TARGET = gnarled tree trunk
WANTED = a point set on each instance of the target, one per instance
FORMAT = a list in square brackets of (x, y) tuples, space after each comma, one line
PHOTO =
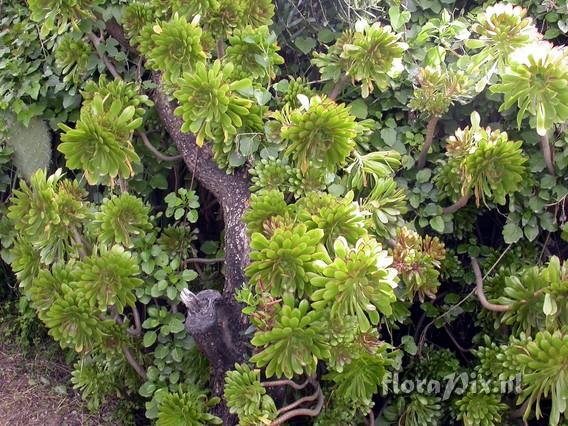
[(215, 320)]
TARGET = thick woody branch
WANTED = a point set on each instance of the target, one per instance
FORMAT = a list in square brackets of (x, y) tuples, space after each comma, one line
[(232, 191), (481, 294)]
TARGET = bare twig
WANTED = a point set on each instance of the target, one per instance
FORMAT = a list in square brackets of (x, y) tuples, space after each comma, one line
[(430, 129), (481, 294), (462, 202), (454, 340), (137, 329), (153, 150)]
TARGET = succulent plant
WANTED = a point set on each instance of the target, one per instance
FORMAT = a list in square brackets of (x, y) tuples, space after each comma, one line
[(322, 132), (100, 144), (116, 90), (336, 217), (229, 15), (49, 211), (501, 28), (418, 262), (295, 343), (480, 409), (491, 166), (367, 170), (137, 16), (536, 82), (543, 364), (296, 86), (73, 323), (108, 279), (72, 56), (371, 54), (438, 88), (175, 47), (359, 380), (263, 206), (270, 173), (247, 398), (209, 101), (47, 287), (386, 203), (122, 218), (301, 183), (358, 282), (186, 407), (420, 410), (254, 51), (283, 262)]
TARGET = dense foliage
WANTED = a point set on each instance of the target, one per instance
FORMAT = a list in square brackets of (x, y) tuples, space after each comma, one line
[(402, 259)]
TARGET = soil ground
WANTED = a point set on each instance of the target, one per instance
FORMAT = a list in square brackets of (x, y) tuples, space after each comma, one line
[(35, 390)]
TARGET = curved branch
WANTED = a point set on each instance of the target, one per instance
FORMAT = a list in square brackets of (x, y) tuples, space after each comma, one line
[(299, 402), (309, 412), (133, 363), (153, 150), (290, 383), (137, 329), (430, 129), (462, 202), (481, 294)]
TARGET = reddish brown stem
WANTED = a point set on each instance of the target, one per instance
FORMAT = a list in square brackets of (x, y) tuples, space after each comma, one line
[(430, 129), (308, 412), (462, 202), (481, 294)]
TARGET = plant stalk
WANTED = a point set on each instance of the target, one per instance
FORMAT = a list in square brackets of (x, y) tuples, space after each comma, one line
[(338, 87), (430, 129), (547, 153), (154, 151), (462, 202), (481, 294), (133, 363)]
